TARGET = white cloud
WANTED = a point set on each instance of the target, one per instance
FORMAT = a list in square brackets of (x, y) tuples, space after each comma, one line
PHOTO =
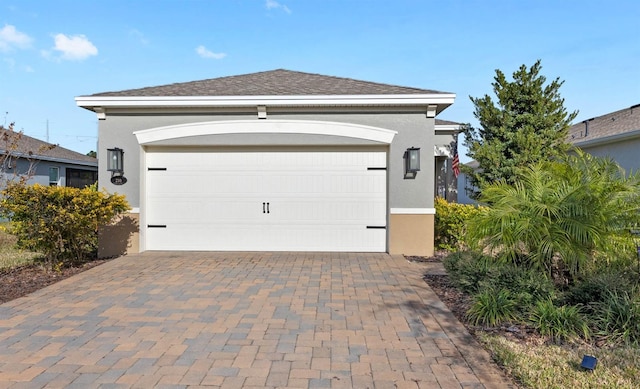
[(74, 48), (204, 53), (273, 4), (11, 38)]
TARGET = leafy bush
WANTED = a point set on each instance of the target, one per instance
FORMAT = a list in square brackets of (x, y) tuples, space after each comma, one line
[(597, 287), (491, 307), (60, 222), (450, 223), (526, 285), (560, 323), (472, 272), (467, 269), (560, 216), (618, 317)]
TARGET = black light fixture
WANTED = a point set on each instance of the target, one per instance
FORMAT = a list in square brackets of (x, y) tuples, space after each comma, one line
[(115, 161), (115, 165), (412, 160), (589, 362)]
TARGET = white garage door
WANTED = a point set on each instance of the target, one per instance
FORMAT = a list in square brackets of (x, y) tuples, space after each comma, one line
[(266, 201)]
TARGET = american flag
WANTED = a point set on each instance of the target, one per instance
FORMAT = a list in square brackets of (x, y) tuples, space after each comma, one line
[(455, 165)]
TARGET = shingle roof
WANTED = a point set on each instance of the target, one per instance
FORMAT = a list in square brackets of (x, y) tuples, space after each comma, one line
[(38, 149), (615, 123), (440, 122), (278, 82)]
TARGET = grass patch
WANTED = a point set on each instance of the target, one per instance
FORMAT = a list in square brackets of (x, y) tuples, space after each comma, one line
[(10, 256), (552, 366)]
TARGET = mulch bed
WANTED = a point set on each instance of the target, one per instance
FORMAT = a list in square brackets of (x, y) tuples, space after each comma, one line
[(21, 281), (459, 303)]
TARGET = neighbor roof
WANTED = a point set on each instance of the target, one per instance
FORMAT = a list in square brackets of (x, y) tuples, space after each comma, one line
[(29, 147), (613, 125), (278, 82)]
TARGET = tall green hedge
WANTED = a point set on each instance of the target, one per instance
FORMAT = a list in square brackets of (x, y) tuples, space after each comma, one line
[(59, 222)]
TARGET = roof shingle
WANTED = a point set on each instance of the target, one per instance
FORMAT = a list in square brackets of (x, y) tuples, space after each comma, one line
[(38, 149), (615, 123), (278, 82)]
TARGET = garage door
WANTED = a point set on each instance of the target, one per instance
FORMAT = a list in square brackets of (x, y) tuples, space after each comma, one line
[(266, 201)]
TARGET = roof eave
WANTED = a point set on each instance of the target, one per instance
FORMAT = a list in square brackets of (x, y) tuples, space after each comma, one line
[(37, 157), (91, 102), (608, 139), (447, 129)]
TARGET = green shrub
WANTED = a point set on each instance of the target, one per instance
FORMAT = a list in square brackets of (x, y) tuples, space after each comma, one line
[(618, 317), (467, 269), (560, 217), (491, 307), (59, 222), (450, 223), (472, 272), (526, 285), (559, 323), (596, 288)]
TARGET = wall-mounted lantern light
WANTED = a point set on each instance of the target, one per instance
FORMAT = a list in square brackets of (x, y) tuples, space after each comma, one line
[(115, 161), (115, 165), (412, 160)]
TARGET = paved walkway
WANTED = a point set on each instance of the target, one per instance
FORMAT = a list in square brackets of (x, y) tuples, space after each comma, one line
[(232, 320)]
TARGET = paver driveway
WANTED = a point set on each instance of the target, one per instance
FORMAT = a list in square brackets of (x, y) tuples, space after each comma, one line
[(304, 320)]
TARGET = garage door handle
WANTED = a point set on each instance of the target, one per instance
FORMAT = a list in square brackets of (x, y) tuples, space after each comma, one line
[(267, 207)]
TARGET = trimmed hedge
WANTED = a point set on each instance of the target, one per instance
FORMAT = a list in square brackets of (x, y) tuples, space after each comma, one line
[(59, 222), (450, 223)]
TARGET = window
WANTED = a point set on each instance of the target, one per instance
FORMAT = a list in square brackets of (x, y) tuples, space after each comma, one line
[(54, 176), (78, 178)]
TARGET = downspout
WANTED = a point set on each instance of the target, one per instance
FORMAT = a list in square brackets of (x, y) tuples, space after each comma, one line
[(586, 128)]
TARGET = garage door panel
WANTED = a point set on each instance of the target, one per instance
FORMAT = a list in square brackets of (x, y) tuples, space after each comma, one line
[(299, 201)]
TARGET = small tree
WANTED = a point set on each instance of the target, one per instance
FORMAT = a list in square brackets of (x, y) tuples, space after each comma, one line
[(11, 151), (527, 124)]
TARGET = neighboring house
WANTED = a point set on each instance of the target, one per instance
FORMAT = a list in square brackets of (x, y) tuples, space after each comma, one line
[(616, 135), (271, 161), (465, 187), (45, 163)]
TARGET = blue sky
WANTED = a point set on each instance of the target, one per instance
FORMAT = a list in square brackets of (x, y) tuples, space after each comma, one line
[(53, 51)]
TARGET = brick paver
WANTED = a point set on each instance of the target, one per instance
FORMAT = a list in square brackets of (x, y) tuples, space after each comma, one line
[(231, 320)]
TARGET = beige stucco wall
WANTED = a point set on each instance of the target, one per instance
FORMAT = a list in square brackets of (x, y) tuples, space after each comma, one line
[(411, 234), (119, 238)]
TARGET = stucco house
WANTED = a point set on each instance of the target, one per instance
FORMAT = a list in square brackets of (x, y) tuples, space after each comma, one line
[(615, 135), (44, 163), (271, 161)]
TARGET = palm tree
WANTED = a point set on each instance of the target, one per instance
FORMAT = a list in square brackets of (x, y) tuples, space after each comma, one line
[(560, 215)]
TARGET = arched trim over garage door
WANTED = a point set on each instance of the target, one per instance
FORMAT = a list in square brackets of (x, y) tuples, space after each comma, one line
[(345, 130)]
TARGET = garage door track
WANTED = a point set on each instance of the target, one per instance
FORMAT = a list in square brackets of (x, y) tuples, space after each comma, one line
[(231, 320)]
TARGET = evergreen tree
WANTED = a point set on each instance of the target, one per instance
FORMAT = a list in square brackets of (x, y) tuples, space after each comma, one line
[(527, 124)]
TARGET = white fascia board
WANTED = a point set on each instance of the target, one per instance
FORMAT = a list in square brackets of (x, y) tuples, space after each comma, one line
[(447, 128), (90, 102)]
